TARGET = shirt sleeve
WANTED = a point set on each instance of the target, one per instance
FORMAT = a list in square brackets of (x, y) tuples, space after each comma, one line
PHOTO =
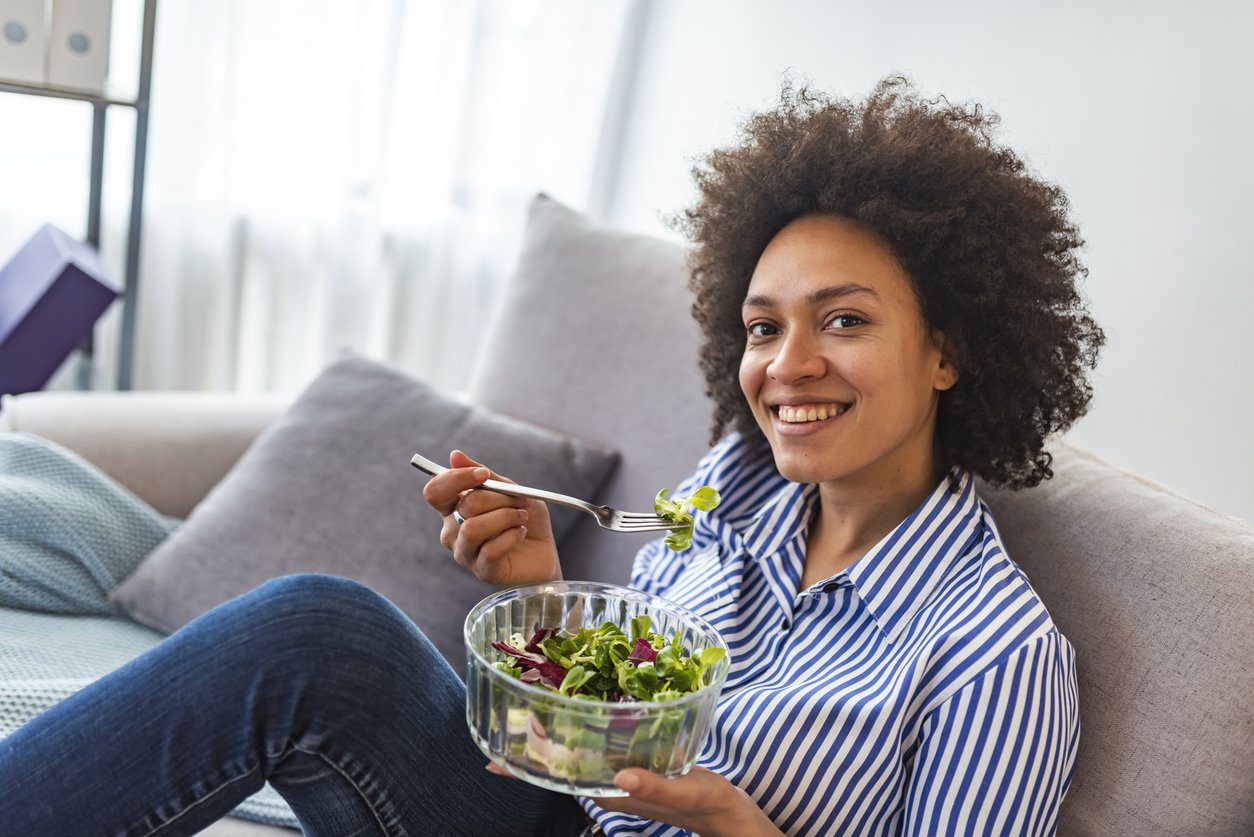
[(997, 756)]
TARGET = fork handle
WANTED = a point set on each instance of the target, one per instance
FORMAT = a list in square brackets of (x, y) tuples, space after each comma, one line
[(426, 465)]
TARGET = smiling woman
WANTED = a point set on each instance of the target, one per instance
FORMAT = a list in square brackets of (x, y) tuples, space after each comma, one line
[(987, 250), (843, 379)]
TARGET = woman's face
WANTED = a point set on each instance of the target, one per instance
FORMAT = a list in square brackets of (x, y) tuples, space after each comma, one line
[(839, 368)]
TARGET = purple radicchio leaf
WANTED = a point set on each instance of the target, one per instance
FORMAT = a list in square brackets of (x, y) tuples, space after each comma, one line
[(643, 652), (552, 674), (540, 636)]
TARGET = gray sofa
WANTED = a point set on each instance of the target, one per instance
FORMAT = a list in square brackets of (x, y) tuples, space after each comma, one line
[(593, 338)]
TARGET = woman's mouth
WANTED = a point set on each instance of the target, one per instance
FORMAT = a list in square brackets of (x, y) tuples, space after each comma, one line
[(805, 413)]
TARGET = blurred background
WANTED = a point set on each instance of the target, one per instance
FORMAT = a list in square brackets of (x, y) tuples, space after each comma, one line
[(327, 174)]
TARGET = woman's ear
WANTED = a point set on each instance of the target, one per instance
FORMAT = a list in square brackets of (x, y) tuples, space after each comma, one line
[(946, 374)]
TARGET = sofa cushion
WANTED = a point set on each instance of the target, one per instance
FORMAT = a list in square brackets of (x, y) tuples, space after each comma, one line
[(1156, 593), (594, 337), (329, 488)]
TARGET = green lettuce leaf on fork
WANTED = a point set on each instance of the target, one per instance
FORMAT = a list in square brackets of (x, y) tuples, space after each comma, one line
[(679, 511)]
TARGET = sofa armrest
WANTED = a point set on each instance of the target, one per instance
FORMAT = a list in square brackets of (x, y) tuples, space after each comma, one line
[(169, 448)]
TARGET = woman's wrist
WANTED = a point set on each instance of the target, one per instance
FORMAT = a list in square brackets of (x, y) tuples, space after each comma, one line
[(743, 818)]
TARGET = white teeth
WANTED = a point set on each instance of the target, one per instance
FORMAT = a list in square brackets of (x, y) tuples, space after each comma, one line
[(797, 415)]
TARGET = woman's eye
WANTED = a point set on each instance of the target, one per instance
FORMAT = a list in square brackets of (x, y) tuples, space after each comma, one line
[(760, 329), (845, 321)]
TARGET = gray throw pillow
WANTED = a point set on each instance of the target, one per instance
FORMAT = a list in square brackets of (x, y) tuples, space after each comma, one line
[(328, 488), (596, 297)]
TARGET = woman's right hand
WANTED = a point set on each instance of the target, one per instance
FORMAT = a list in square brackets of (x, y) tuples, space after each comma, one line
[(504, 540)]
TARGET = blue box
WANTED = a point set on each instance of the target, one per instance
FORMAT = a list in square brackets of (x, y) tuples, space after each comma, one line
[(51, 294)]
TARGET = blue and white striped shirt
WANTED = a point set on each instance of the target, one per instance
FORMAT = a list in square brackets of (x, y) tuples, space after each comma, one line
[(923, 690)]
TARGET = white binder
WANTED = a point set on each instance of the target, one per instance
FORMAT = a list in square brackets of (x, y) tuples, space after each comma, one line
[(23, 41), (78, 44)]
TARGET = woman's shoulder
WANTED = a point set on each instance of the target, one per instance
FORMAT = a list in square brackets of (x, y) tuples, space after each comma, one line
[(984, 612)]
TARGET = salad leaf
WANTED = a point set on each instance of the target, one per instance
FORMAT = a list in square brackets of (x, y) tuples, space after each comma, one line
[(575, 679), (640, 625), (678, 511), (643, 652), (550, 673)]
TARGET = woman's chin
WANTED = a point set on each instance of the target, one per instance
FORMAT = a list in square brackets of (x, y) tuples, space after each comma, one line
[(803, 469)]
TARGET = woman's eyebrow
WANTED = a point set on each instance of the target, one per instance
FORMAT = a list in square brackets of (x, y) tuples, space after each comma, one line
[(821, 295)]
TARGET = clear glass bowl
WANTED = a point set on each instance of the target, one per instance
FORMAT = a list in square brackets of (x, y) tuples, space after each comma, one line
[(570, 744)]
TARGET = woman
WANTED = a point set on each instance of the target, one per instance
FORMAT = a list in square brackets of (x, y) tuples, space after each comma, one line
[(889, 309)]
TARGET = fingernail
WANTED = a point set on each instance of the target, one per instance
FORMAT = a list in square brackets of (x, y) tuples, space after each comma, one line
[(627, 781), (482, 473)]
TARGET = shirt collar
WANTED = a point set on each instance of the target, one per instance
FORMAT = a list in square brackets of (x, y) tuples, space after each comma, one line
[(896, 576), (784, 517)]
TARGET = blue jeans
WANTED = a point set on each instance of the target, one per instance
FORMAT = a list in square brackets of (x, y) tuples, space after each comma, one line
[(314, 683)]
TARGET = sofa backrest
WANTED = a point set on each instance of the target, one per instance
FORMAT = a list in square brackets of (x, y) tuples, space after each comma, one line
[(594, 338), (169, 448), (1155, 592)]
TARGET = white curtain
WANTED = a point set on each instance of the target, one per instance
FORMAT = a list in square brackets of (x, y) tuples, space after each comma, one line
[(347, 174)]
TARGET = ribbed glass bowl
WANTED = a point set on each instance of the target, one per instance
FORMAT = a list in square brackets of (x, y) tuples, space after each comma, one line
[(570, 744)]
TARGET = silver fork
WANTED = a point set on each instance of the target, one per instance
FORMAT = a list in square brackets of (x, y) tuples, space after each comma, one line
[(607, 518)]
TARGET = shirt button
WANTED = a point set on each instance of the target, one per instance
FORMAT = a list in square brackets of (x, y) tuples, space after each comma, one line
[(783, 626), (831, 587)]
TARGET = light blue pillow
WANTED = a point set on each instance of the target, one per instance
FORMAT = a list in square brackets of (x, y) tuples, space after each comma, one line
[(69, 533)]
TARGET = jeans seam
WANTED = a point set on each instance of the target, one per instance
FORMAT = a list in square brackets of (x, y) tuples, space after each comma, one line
[(353, 784), (164, 823)]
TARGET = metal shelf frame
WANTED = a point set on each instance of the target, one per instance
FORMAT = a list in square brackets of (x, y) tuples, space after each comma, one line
[(100, 104)]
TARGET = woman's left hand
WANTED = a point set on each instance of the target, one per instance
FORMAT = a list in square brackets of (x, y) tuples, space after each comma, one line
[(701, 801)]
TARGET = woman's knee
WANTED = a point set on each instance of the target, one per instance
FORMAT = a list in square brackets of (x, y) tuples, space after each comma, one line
[(321, 616), (327, 594)]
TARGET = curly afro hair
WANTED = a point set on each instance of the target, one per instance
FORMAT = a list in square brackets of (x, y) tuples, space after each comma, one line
[(988, 246)]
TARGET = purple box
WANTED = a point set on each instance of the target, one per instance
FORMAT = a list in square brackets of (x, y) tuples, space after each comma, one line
[(51, 293)]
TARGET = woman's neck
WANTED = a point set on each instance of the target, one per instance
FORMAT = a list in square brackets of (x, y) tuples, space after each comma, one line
[(854, 518)]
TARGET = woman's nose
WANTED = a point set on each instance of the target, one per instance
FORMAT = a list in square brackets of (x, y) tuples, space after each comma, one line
[(798, 358)]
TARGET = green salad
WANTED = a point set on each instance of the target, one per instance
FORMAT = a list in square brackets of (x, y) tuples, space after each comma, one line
[(616, 678), (606, 664), (679, 510)]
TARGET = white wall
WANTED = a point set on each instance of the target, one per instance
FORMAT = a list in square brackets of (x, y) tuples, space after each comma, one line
[(1142, 111)]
